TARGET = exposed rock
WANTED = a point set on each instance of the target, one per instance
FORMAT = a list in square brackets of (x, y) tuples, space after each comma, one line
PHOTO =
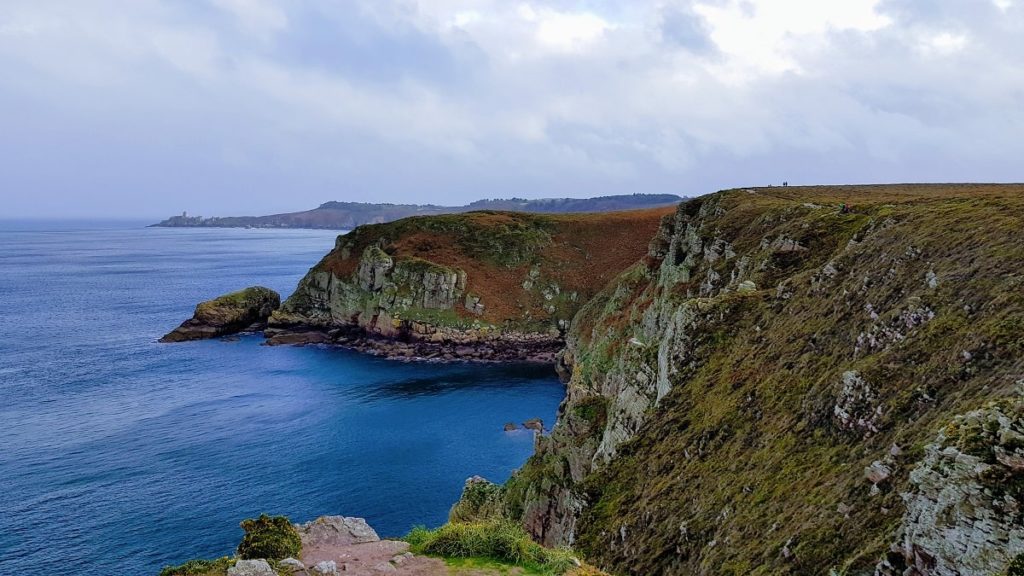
[(877, 472), (251, 568), (292, 564), (535, 424), (964, 509), (510, 426), (746, 286), (336, 531), (327, 568), (245, 310), (856, 407)]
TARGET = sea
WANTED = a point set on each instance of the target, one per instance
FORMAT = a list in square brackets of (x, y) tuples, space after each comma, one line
[(120, 455)]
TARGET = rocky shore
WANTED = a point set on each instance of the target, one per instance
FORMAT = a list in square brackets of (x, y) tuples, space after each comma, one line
[(507, 347)]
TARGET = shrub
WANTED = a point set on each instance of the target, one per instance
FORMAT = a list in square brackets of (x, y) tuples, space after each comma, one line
[(269, 537), (496, 539)]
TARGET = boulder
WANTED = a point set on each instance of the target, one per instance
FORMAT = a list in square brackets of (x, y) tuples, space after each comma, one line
[(336, 531), (327, 568), (534, 424), (251, 568), (245, 310), (292, 564), (877, 473), (510, 426)]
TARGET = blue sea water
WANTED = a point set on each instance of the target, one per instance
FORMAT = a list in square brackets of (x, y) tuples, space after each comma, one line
[(119, 455)]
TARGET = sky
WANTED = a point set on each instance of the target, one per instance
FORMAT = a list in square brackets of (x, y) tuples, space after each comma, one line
[(145, 108)]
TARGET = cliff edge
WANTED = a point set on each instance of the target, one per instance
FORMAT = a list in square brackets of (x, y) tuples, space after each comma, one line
[(815, 380)]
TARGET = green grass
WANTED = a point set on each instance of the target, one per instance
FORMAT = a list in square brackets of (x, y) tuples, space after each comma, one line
[(497, 541), (216, 567)]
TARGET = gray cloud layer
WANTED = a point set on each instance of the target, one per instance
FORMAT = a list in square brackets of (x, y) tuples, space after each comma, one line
[(253, 106)]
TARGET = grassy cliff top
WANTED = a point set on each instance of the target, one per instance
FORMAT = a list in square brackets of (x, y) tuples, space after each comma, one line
[(521, 265), (754, 397)]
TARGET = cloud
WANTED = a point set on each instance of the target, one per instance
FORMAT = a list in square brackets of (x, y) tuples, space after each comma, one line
[(253, 106)]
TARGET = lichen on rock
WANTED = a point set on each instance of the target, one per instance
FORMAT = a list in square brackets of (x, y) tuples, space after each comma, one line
[(965, 506)]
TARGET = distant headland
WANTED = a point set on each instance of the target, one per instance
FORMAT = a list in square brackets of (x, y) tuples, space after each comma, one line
[(348, 215)]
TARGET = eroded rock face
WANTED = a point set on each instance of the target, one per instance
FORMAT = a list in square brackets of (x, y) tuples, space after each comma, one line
[(245, 310), (965, 506), (371, 312)]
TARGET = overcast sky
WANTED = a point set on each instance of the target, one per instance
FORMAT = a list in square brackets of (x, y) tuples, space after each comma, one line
[(230, 107)]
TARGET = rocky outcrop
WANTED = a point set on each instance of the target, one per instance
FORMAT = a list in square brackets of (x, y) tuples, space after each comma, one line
[(477, 286), (965, 504), (243, 311), (737, 400), (335, 531), (343, 545)]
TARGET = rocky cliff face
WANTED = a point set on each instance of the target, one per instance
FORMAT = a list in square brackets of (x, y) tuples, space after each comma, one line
[(484, 285), (784, 387)]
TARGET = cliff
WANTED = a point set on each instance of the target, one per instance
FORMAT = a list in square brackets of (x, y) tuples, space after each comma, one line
[(785, 386), (348, 215), (480, 285)]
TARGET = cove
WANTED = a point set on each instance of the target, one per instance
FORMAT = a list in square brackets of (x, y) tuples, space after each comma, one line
[(122, 455)]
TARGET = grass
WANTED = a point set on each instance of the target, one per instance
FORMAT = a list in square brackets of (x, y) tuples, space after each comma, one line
[(217, 567), (744, 454), (495, 541)]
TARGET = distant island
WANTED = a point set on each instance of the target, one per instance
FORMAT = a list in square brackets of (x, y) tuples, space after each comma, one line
[(348, 215)]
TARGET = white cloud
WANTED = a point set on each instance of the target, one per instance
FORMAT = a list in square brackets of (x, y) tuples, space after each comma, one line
[(764, 36), (942, 43), (467, 98), (568, 31)]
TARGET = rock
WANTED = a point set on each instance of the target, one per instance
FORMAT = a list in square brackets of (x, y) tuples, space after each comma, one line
[(746, 286), (336, 531), (385, 568), (251, 568), (400, 559), (535, 424), (510, 426), (245, 310), (856, 408), (960, 520), (327, 567), (877, 472), (292, 564)]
